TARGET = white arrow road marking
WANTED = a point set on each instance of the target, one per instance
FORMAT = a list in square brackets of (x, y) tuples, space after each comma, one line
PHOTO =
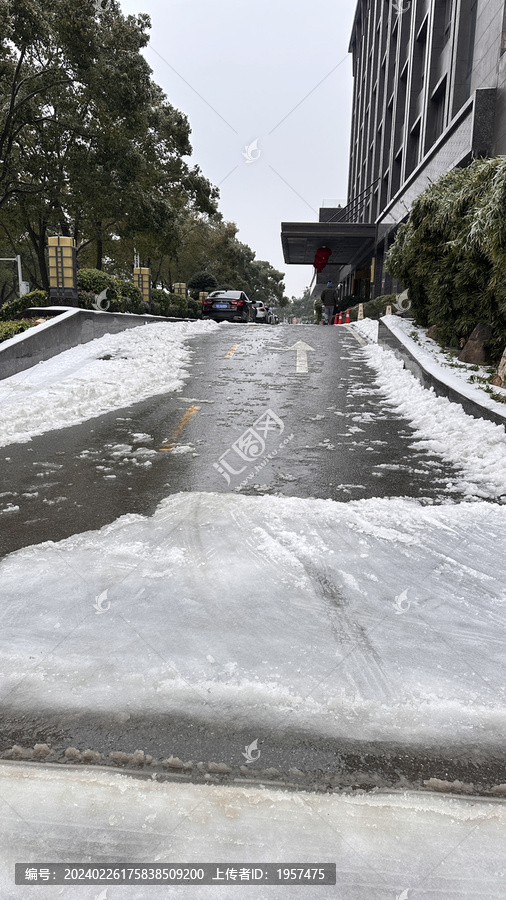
[(301, 364)]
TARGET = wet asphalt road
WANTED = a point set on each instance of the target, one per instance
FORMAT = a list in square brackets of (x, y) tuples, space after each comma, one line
[(342, 442)]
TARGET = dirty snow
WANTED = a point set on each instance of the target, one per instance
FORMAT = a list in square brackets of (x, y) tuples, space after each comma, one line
[(386, 845)]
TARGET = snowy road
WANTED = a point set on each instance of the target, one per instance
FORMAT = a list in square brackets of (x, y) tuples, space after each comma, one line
[(345, 442), (260, 556), (284, 588)]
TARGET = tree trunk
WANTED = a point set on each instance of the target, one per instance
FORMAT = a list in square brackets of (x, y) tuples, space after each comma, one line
[(41, 256), (99, 246)]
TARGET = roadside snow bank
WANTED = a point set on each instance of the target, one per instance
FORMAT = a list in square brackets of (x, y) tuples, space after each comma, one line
[(476, 446), (105, 374), (444, 365), (372, 620), (368, 328), (384, 845)]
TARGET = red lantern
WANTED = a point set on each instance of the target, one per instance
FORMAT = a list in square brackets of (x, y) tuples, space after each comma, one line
[(321, 258)]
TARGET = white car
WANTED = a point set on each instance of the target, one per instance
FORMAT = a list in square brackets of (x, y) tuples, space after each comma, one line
[(261, 311)]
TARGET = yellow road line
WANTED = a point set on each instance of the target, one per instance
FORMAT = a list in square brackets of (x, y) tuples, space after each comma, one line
[(231, 351), (180, 427)]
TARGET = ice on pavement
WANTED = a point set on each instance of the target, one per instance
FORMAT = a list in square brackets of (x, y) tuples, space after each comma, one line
[(376, 619), (385, 845), (105, 374)]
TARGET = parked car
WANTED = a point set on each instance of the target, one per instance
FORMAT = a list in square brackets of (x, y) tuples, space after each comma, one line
[(261, 311), (229, 306)]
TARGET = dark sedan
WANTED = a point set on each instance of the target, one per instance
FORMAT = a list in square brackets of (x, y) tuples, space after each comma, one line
[(228, 306)]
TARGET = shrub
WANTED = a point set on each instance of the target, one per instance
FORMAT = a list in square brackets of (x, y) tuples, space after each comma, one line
[(194, 309), (179, 301), (451, 253), (173, 312), (11, 329), (16, 307), (122, 295), (95, 281), (37, 298), (202, 281), (85, 299), (373, 309)]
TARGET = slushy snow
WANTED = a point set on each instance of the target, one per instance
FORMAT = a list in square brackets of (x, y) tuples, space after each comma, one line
[(94, 378), (475, 446)]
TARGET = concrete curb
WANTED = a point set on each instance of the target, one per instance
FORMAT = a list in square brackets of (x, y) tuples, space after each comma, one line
[(69, 328), (429, 379)]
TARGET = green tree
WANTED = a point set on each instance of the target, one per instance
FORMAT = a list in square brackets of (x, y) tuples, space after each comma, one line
[(90, 146), (302, 307), (203, 281), (208, 243)]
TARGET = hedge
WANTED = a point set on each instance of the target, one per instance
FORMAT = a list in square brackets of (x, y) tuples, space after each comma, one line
[(122, 296), (11, 329), (451, 253)]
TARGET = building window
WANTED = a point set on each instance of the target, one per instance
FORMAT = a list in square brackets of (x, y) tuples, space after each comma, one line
[(448, 9), (413, 156), (437, 112), (470, 52), (419, 61)]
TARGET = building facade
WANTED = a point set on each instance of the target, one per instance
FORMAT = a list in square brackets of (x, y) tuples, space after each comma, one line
[(429, 94)]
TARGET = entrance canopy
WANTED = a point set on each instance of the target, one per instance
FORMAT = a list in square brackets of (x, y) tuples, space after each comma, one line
[(348, 241)]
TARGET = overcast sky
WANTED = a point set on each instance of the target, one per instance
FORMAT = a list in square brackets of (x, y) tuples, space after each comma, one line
[(240, 71)]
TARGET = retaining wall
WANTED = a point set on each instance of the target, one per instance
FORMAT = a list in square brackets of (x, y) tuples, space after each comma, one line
[(430, 380), (67, 329)]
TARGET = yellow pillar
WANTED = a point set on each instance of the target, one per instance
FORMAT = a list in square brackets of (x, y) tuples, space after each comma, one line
[(62, 270), (142, 280)]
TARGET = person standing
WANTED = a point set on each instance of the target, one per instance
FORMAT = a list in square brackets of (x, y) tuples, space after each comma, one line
[(329, 300)]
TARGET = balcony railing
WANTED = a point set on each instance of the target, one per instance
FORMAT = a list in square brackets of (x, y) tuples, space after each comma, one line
[(358, 210)]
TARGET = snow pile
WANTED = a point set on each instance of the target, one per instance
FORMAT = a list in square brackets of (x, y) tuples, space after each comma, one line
[(444, 358), (444, 366), (384, 845), (86, 381), (368, 328), (370, 620), (476, 446)]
